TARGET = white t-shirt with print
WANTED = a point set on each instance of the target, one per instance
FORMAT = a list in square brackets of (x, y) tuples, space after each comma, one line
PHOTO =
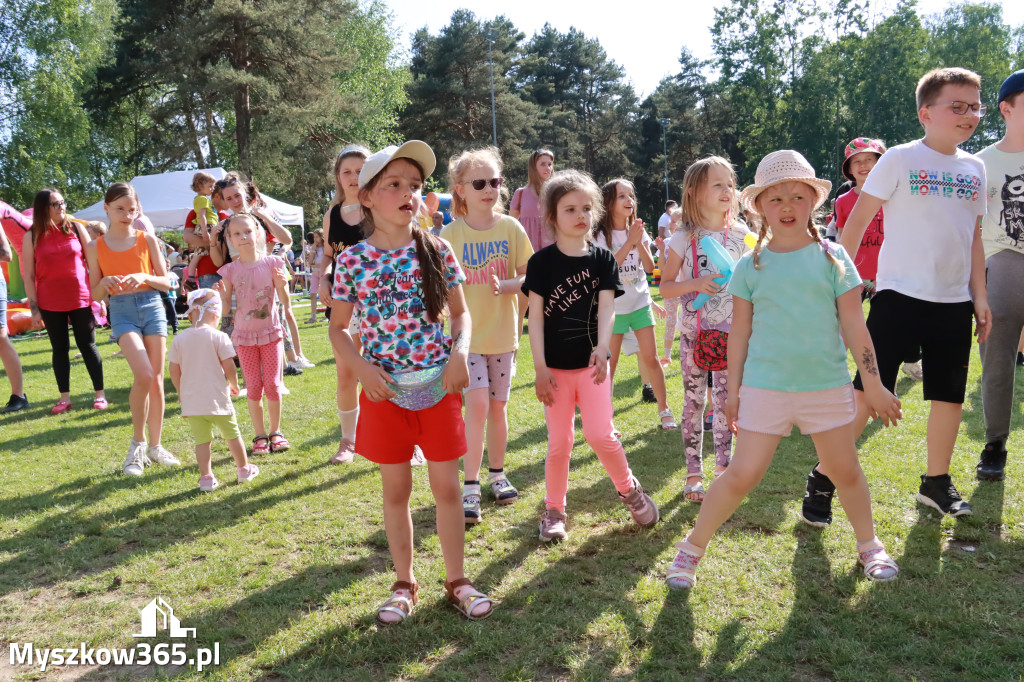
[(933, 202), (1003, 225), (631, 273)]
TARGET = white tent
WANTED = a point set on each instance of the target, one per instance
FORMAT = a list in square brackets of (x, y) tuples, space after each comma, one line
[(167, 198)]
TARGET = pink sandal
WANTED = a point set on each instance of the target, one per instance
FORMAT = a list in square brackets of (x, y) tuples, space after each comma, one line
[(278, 443), (100, 404), (261, 445)]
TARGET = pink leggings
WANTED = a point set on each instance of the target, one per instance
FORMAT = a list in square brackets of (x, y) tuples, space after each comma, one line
[(576, 387), (261, 367)]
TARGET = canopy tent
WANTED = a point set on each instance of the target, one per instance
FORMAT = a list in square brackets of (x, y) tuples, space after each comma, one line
[(167, 198)]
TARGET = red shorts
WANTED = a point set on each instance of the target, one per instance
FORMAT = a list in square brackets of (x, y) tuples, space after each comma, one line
[(386, 433)]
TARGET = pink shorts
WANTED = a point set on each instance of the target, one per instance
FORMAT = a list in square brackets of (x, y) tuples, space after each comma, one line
[(763, 410)]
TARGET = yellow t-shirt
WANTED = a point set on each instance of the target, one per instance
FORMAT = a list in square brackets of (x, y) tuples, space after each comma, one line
[(203, 203), (501, 250)]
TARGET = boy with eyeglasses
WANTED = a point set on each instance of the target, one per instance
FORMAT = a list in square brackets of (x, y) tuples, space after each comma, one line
[(1002, 232), (931, 274)]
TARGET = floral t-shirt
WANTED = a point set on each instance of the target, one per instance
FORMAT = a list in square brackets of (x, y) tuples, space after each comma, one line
[(385, 288)]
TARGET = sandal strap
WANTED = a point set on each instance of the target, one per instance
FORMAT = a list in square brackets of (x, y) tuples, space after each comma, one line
[(877, 558), (455, 584)]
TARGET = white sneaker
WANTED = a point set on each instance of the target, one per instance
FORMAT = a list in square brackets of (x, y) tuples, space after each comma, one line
[(161, 455), (284, 389), (136, 460), (247, 473), (418, 459), (303, 362)]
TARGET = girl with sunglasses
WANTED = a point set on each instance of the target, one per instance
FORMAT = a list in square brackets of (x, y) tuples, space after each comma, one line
[(493, 250)]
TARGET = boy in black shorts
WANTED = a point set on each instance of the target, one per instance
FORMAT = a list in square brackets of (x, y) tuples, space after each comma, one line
[(931, 274)]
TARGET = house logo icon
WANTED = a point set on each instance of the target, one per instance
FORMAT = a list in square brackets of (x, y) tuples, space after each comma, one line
[(151, 614)]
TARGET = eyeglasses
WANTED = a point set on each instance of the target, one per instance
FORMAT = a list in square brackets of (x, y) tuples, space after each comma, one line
[(58, 204), (493, 182), (960, 108)]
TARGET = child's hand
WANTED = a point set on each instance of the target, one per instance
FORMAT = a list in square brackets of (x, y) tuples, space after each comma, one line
[(732, 410), (883, 405), (324, 291), (495, 285), (133, 281), (636, 232), (455, 376), (599, 361), (660, 243), (659, 311), (545, 386), (233, 387), (112, 284), (983, 315), (707, 285), (375, 382)]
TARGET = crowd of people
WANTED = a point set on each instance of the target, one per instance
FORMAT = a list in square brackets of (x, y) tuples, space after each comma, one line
[(425, 320)]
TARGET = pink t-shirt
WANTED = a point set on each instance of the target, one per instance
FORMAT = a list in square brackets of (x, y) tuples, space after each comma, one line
[(256, 320), (204, 388), (870, 244), (526, 201), (62, 282)]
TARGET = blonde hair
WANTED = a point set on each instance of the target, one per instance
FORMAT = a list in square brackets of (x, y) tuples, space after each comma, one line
[(201, 178), (565, 182), (931, 83), (694, 180), (461, 164), (353, 151), (260, 237), (813, 229), (533, 177)]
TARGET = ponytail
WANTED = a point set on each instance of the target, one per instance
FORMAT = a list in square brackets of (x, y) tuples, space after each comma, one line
[(432, 268)]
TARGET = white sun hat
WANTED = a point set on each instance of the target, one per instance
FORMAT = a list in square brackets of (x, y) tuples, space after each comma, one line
[(416, 150), (784, 165)]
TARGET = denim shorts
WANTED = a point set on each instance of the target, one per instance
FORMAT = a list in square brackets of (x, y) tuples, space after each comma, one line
[(141, 312), (209, 281)]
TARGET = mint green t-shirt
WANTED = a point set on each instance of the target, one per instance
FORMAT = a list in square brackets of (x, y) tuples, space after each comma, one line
[(795, 343)]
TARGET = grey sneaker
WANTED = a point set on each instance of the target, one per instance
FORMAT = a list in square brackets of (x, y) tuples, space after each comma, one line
[(552, 526), (471, 504), (641, 506), (503, 491), (160, 455), (136, 460), (913, 370)]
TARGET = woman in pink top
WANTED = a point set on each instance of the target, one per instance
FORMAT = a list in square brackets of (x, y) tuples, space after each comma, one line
[(57, 285), (525, 206)]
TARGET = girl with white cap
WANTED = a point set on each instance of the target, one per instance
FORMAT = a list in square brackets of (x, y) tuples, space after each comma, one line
[(795, 298)]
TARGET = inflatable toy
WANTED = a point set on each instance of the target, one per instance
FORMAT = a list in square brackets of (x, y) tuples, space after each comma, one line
[(19, 321), (15, 224), (722, 261)]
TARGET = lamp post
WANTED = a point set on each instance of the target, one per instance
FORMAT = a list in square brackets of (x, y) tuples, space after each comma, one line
[(664, 145), (490, 35)]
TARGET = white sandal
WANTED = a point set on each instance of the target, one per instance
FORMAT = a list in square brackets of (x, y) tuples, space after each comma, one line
[(877, 564), (671, 425), (399, 604)]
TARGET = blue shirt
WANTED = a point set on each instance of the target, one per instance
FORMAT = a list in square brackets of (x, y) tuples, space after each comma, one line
[(795, 344)]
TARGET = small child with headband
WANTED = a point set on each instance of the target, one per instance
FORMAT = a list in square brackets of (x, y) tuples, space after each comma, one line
[(203, 372)]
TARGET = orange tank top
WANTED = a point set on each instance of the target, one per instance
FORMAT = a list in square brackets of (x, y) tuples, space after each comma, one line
[(128, 262)]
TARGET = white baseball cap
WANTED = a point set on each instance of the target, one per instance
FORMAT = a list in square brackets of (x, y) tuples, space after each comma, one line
[(415, 150)]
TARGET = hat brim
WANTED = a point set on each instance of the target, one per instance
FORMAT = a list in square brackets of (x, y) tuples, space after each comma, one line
[(749, 196), (846, 161), (414, 150)]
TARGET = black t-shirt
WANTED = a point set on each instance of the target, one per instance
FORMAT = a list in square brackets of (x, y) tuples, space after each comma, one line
[(341, 235), (569, 286)]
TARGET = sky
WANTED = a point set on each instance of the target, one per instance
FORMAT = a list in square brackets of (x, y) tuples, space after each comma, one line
[(645, 39)]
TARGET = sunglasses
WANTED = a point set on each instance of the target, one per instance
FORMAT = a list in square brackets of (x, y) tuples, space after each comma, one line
[(493, 182), (58, 204)]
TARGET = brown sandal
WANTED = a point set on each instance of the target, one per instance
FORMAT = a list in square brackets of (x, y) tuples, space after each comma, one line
[(469, 600), (398, 604)]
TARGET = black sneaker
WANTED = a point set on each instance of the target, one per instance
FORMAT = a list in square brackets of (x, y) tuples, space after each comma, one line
[(1020, 359), (817, 506), (992, 465), (291, 370), (16, 403), (647, 394), (940, 493)]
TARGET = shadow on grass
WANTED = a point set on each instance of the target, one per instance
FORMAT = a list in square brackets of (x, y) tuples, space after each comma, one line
[(74, 544)]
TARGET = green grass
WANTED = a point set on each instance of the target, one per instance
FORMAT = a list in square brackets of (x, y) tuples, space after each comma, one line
[(285, 573)]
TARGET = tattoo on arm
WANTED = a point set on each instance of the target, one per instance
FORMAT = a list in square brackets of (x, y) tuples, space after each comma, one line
[(868, 359), (460, 343)]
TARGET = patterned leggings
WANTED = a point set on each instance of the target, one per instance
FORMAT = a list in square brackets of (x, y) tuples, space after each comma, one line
[(261, 367), (671, 318), (695, 382)]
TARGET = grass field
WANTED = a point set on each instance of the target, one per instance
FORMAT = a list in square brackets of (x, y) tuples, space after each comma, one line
[(285, 573)]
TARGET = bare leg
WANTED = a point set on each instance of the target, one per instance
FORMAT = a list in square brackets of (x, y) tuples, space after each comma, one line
[(497, 433), (476, 417), (256, 416), (648, 352), (274, 410), (204, 458), (237, 449), (754, 452), (156, 348), (838, 453), (12, 363), (451, 525), (135, 352), (943, 426), (397, 483)]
